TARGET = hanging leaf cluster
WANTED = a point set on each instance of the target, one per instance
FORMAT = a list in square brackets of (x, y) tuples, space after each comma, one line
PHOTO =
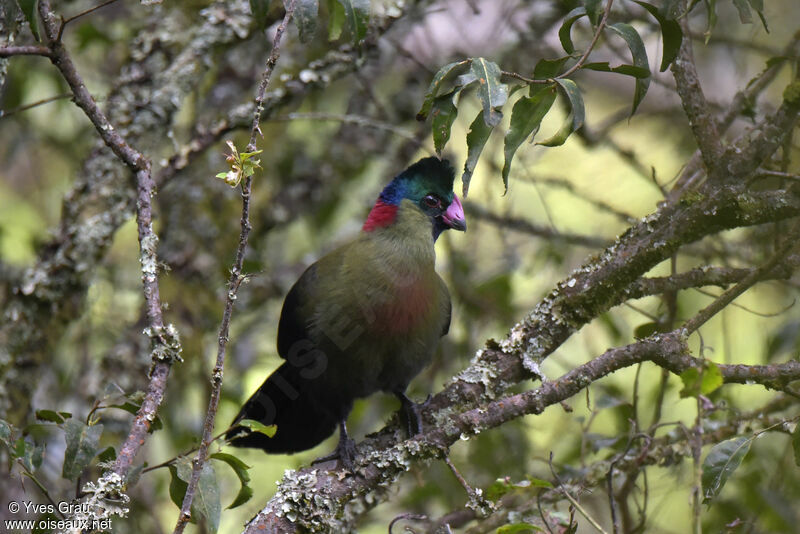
[(551, 78)]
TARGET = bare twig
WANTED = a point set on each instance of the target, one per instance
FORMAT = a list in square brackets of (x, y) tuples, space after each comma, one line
[(233, 285), (18, 109)]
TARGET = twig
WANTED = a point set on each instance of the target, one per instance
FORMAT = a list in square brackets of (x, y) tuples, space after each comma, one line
[(66, 21), (165, 343), (233, 285), (18, 109), (600, 26), (24, 50), (701, 121), (728, 296)]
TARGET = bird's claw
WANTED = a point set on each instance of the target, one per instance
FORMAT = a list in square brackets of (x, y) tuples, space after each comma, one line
[(345, 452)]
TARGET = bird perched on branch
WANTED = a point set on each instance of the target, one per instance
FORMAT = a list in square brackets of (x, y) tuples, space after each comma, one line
[(364, 318)]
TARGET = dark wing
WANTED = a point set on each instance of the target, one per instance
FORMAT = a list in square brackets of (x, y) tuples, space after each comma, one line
[(297, 311)]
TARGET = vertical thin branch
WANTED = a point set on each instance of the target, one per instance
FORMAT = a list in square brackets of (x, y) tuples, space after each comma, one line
[(164, 339), (233, 285)]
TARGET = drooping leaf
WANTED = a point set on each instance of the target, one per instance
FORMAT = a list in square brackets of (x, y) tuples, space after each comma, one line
[(206, 501), (758, 5), (639, 54), (241, 470), (256, 426), (443, 114), (711, 18), (671, 35), (305, 17), (29, 9), (82, 444), (492, 92), (526, 117), (177, 486), (722, 460), (744, 11), (433, 88), (575, 118), (52, 416), (356, 13), (548, 68), (627, 70), (335, 19), (593, 10), (479, 133), (565, 31)]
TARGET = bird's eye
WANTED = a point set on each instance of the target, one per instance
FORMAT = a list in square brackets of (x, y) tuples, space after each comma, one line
[(432, 202)]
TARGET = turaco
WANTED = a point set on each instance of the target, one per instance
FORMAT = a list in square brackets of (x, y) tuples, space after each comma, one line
[(364, 318)]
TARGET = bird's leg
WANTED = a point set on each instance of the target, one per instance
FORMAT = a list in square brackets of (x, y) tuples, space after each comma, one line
[(345, 450), (409, 411)]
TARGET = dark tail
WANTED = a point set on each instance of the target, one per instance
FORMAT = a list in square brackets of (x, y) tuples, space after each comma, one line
[(284, 399)]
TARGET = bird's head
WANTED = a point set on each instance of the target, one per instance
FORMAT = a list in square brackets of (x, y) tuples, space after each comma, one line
[(428, 184)]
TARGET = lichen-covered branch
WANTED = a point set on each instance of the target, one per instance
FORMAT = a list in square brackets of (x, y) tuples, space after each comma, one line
[(52, 292), (312, 497), (701, 119)]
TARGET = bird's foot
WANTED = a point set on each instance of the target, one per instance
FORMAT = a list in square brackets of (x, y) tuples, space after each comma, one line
[(345, 452), (410, 413)]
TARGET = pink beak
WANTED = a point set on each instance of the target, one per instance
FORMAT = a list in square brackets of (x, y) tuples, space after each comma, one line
[(454, 215)]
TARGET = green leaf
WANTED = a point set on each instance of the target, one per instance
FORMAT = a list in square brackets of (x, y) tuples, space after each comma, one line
[(722, 460), (306, 13), (240, 468), (82, 444), (5, 431), (335, 19), (29, 9), (492, 92), (517, 528), (594, 10), (526, 117), (564, 32), (576, 115), (711, 18), (177, 486), (646, 330), (758, 5), (255, 426), (671, 35), (443, 114), (701, 381), (109, 454), (52, 416), (206, 498), (260, 9), (636, 46), (796, 444), (744, 11), (627, 70), (479, 133), (356, 13), (433, 88), (548, 68)]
